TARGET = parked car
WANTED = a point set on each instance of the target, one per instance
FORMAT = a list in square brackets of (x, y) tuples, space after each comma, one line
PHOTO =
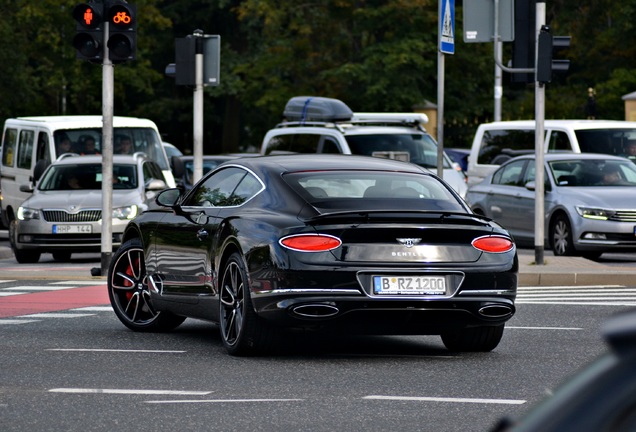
[(325, 125), (64, 214), (171, 150), (209, 162), (583, 214), (600, 397), (331, 242), (459, 156)]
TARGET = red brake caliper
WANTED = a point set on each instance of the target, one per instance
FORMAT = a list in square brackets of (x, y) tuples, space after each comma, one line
[(127, 283)]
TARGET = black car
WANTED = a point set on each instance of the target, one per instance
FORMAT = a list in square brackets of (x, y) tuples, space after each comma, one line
[(600, 397), (326, 243)]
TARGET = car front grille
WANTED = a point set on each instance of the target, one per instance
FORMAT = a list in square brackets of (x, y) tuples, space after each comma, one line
[(624, 216), (63, 216)]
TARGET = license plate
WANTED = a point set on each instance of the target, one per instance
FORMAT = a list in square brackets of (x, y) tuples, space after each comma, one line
[(414, 285), (72, 229)]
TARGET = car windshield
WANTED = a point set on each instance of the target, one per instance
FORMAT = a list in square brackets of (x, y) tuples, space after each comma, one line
[(416, 148), (125, 141), (593, 172), (373, 190), (86, 177)]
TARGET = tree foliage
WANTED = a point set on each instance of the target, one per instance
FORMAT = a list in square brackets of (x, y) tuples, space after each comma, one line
[(376, 55)]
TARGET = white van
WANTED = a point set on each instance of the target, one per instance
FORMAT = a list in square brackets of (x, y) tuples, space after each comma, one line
[(27, 140), (494, 143)]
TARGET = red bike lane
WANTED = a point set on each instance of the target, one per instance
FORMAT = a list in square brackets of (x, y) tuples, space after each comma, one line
[(53, 301)]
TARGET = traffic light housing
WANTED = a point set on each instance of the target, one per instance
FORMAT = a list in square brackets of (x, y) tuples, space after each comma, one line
[(122, 31), (89, 36), (548, 46), (523, 48)]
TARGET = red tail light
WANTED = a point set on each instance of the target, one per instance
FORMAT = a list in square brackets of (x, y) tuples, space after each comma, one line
[(493, 244), (311, 242)]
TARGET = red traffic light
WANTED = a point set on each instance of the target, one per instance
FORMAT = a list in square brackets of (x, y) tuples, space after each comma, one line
[(87, 16)]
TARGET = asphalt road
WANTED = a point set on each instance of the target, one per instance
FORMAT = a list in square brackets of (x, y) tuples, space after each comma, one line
[(79, 369)]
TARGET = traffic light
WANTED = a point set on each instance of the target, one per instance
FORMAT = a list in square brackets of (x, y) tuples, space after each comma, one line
[(525, 36), (122, 38), (89, 37), (548, 46)]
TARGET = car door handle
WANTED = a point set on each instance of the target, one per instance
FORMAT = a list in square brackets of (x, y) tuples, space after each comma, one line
[(202, 234)]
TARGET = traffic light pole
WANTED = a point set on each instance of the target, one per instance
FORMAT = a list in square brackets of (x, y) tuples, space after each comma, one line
[(539, 141), (108, 74), (197, 114)]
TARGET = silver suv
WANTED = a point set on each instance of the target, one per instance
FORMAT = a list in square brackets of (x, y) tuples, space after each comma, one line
[(64, 214), (325, 125)]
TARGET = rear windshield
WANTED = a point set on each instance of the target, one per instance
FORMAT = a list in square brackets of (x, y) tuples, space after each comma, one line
[(419, 149), (87, 177), (125, 141), (372, 190)]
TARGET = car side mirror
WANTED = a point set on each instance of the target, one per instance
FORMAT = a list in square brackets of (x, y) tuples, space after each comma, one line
[(27, 188), (168, 197)]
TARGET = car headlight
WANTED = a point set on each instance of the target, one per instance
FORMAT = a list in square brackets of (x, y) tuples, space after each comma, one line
[(128, 212), (595, 213), (26, 213)]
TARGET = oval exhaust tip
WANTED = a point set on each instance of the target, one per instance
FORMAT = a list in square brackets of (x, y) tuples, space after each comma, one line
[(317, 310), (496, 311)]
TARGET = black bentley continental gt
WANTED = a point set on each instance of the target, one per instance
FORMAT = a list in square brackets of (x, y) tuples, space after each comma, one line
[(329, 243)]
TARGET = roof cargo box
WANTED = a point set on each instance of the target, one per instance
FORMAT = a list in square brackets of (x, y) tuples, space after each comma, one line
[(316, 109)]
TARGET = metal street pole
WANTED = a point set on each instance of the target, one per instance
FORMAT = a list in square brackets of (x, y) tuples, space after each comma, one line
[(539, 139), (197, 149), (108, 73)]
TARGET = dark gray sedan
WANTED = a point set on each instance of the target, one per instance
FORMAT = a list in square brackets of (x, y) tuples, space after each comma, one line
[(590, 202)]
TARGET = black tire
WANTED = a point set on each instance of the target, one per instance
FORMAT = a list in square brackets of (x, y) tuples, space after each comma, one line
[(243, 332), (26, 256), (21, 256), (561, 237), (474, 339), (129, 292), (61, 256)]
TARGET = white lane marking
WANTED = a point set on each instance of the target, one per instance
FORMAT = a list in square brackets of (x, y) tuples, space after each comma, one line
[(223, 401), (573, 287), (56, 315), (442, 399), (15, 321), (94, 309), (129, 391), (10, 293), (543, 328), (79, 282), (114, 350), (37, 288), (577, 303), (6, 280)]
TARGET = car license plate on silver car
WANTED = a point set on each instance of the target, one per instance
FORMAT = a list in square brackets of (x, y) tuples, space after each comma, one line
[(413, 285), (72, 229)]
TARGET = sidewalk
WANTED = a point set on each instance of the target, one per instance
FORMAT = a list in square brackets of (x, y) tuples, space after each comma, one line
[(554, 271)]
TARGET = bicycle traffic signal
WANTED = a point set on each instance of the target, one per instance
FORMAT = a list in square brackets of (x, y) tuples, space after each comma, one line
[(122, 38), (89, 37)]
